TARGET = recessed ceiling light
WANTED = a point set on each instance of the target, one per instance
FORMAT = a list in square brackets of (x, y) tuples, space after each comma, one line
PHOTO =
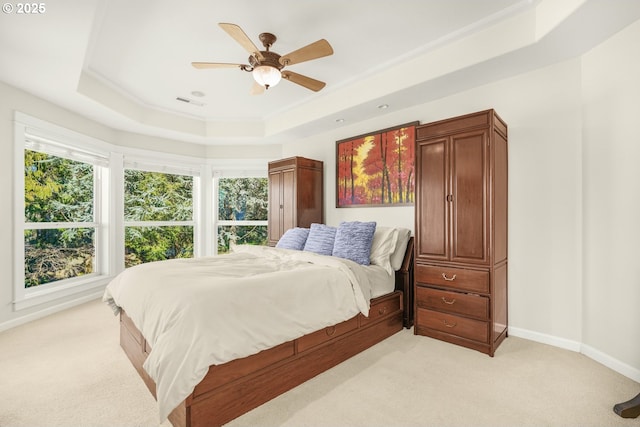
[(339, 120), (383, 106), (197, 93)]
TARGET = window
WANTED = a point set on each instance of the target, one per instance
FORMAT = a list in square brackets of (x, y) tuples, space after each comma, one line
[(59, 212), (59, 229), (86, 209), (158, 215), (242, 212)]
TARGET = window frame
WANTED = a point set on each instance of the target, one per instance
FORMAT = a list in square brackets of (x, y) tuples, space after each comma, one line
[(133, 162), (257, 171), (36, 135), (109, 210)]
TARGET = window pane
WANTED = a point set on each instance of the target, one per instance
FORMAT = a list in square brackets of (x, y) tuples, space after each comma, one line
[(57, 189), (241, 235), (154, 196), (145, 244), (243, 199), (56, 254)]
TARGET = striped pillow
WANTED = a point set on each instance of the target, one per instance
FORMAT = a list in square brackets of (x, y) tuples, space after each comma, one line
[(353, 241), (320, 239), (293, 238)]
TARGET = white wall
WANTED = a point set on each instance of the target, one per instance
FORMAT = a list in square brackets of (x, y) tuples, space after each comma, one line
[(611, 163), (556, 296)]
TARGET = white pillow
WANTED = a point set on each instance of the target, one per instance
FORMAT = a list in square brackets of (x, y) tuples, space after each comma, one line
[(383, 246), (401, 247)]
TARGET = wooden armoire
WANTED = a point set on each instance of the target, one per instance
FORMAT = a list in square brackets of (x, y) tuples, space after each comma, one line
[(461, 231), (296, 195)]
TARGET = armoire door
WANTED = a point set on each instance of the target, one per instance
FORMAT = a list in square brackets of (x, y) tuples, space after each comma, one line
[(469, 196), (275, 206), (432, 188), (282, 206)]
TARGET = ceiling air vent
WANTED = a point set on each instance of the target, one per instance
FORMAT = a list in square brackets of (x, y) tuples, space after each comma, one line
[(189, 101)]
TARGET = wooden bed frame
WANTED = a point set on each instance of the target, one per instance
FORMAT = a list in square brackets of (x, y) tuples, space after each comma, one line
[(234, 388)]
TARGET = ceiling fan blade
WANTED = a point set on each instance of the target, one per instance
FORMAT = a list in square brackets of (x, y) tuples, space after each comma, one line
[(202, 65), (314, 50), (308, 82), (256, 89), (238, 35)]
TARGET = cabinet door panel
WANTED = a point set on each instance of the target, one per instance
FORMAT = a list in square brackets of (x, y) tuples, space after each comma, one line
[(469, 189), (309, 191), (500, 197), (431, 204), (288, 200), (275, 204)]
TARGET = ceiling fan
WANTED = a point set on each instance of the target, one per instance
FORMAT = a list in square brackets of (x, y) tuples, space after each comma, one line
[(267, 66)]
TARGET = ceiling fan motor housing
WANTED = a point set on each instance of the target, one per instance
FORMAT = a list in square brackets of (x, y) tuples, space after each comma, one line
[(270, 58)]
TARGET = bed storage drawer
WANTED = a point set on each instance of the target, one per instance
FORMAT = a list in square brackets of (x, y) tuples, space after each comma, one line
[(475, 306), (223, 374), (382, 307), (313, 339), (127, 323), (457, 278), (456, 325)]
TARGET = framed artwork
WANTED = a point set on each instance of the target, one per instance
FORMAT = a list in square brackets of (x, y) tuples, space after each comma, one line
[(377, 169)]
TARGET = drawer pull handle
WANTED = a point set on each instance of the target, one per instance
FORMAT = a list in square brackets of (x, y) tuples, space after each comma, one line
[(382, 310), (330, 330), (444, 276), (444, 300), (449, 325)]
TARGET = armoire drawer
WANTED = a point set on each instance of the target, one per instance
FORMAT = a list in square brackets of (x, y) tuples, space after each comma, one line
[(453, 302), (456, 325), (458, 278)]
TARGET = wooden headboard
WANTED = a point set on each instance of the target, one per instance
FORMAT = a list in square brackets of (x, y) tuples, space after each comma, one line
[(404, 283)]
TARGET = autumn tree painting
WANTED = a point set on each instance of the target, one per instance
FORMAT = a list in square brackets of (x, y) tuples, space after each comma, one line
[(376, 169)]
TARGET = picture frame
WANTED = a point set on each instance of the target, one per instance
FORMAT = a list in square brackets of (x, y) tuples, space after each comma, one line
[(377, 168)]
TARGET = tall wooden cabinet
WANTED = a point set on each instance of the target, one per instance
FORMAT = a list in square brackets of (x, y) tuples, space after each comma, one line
[(295, 195), (461, 231)]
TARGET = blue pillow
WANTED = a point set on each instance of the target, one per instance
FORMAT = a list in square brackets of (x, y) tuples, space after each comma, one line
[(353, 241), (293, 238), (320, 239)]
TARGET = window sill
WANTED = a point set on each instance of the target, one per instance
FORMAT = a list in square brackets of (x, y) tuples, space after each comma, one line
[(75, 287)]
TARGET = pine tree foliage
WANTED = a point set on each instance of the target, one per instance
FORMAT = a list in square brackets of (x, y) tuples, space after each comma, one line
[(155, 196), (242, 199), (57, 190)]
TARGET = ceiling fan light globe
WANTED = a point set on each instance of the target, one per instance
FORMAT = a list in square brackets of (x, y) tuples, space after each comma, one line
[(266, 75)]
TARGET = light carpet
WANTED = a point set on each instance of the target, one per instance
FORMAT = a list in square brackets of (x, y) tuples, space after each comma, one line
[(69, 370)]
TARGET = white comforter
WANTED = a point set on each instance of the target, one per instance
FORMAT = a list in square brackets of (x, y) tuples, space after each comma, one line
[(207, 311)]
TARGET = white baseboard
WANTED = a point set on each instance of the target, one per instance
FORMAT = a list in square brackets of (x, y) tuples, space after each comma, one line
[(50, 310), (578, 347), (611, 363), (545, 339)]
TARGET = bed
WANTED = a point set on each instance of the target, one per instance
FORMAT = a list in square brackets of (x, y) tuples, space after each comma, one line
[(238, 377)]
